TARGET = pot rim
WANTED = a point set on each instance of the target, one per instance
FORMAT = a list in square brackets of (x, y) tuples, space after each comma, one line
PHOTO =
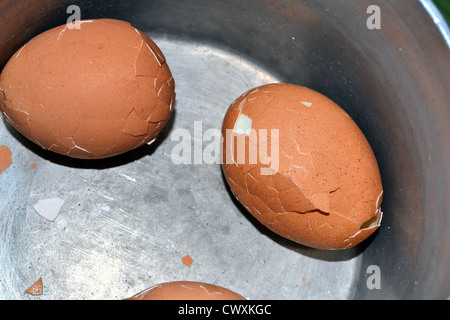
[(438, 19)]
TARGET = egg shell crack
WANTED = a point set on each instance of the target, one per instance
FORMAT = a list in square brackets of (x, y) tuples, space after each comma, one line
[(106, 74), (313, 188)]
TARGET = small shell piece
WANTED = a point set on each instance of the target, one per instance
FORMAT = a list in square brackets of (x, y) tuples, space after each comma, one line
[(49, 208), (5, 158), (187, 260), (37, 289)]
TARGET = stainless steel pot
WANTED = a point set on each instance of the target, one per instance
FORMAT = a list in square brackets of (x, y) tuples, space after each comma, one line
[(127, 222)]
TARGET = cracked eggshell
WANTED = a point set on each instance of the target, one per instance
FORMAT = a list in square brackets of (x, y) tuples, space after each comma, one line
[(93, 92), (186, 290), (322, 187)]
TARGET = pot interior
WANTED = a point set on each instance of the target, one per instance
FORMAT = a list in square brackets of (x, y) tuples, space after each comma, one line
[(127, 221)]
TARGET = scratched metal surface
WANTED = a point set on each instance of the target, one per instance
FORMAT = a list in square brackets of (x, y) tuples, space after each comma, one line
[(127, 222)]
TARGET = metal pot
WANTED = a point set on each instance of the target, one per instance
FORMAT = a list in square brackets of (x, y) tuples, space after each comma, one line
[(127, 221)]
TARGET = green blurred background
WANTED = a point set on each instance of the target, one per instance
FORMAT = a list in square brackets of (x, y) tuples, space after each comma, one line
[(444, 6)]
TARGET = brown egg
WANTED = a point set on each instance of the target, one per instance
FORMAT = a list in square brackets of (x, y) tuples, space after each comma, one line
[(186, 290), (90, 92), (302, 167)]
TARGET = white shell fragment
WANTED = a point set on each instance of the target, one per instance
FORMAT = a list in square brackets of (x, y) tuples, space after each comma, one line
[(243, 125), (49, 208), (106, 208)]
